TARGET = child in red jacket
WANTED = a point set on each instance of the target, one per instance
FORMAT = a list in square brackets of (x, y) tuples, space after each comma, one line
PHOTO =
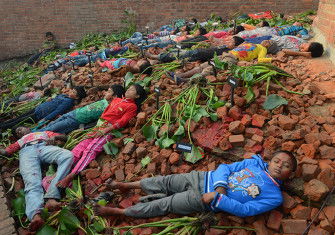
[(117, 115)]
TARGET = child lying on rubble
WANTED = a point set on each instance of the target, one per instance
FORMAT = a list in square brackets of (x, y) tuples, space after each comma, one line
[(292, 45), (201, 54), (245, 188), (139, 66), (48, 110), (84, 115), (116, 115), (244, 52), (35, 149)]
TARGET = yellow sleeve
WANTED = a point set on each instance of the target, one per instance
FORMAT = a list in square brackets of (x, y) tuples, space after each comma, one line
[(262, 51), (248, 26)]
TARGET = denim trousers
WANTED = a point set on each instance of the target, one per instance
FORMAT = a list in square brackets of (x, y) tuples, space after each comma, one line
[(136, 38), (64, 124), (31, 158)]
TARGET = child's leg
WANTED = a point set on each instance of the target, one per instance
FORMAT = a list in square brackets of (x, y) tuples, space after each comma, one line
[(194, 71), (90, 152), (79, 149), (180, 203)]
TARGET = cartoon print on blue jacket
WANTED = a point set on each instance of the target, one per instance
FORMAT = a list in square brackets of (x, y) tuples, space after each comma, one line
[(239, 181)]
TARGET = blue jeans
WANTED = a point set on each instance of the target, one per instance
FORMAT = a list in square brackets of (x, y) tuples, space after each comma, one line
[(64, 124), (160, 44), (134, 39), (31, 158)]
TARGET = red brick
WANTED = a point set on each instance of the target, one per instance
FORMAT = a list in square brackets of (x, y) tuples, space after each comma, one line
[(236, 127), (236, 140), (258, 120), (315, 190), (301, 212), (274, 220), (295, 226)]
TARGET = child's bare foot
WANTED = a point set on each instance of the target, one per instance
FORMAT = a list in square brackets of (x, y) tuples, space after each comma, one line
[(53, 205), (107, 211), (66, 181), (36, 223)]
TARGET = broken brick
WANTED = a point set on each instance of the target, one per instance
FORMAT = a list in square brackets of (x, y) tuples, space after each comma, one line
[(258, 120), (222, 112), (141, 152), (236, 140), (315, 190), (165, 153), (119, 175), (286, 122), (295, 226), (249, 132), (174, 158), (308, 150), (246, 120), (327, 176), (236, 127), (301, 212), (274, 220), (289, 202), (288, 146), (235, 113), (129, 148), (310, 171)]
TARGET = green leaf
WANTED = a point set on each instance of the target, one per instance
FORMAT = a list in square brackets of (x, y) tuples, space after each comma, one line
[(46, 230), (196, 155), (127, 140), (19, 204), (111, 148), (149, 132), (201, 112), (117, 133), (51, 170), (250, 95), (128, 79), (180, 130), (213, 116), (145, 161), (68, 220), (102, 202), (99, 227), (218, 104), (273, 101), (167, 142)]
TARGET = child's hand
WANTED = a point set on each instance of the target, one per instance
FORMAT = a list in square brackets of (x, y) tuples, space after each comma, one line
[(207, 198)]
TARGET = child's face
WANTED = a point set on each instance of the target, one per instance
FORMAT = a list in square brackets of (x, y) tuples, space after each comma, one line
[(266, 43), (50, 37), (109, 94), (280, 166), (73, 94), (131, 93), (304, 47)]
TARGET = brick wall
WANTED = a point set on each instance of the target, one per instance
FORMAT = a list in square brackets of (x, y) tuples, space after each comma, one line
[(24, 22), (324, 27)]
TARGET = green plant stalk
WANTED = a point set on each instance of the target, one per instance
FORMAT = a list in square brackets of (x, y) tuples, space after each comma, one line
[(287, 90)]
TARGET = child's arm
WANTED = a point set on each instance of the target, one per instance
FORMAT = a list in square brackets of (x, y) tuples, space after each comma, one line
[(262, 56), (297, 53), (254, 207), (13, 148)]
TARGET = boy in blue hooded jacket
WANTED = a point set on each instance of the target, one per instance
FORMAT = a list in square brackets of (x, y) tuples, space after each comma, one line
[(245, 188)]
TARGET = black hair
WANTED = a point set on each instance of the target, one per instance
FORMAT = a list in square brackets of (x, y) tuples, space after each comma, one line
[(220, 19), (238, 40), (81, 93), (47, 34), (265, 23), (202, 31), (239, 28), (146, 68), (187, 29), (292, 157), (316, 49), (194, 20), (47, 92), (142, 95), (13, 130), (118, 90)]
